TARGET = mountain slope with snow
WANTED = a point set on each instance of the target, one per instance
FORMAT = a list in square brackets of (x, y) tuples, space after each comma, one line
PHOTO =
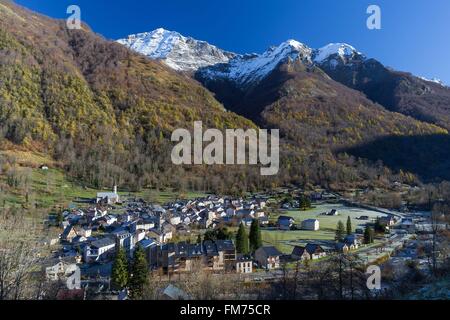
[(250, 69), (232, 76), (178, 52), (187, 54)]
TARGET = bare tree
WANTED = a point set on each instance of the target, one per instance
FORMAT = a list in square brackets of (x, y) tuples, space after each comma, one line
[(19, 256)]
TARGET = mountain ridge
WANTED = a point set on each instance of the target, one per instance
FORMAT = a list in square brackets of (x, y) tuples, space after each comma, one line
[(423, 99)]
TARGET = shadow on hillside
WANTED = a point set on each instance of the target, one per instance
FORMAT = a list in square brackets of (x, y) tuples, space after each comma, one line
[(426, 156)]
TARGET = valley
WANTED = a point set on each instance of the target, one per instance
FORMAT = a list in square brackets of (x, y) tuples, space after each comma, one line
[(120, 177)]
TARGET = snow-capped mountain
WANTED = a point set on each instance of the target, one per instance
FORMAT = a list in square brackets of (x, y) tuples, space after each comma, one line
[(335, 54), (187, 54), (179, 52), (247, 69)]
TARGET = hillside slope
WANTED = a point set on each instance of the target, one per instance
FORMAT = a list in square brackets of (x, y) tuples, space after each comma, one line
[(397, 91), (104, 111)]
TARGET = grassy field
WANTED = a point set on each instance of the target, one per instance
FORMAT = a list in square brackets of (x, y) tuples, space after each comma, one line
[(52, 188), (46, 189), (286, 240)]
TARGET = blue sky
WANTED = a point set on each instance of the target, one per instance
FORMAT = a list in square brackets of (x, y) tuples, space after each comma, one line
[(415, 34)]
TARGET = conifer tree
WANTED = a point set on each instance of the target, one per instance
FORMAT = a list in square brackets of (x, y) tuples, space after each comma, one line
[(119, 272), (139, 273), (349, 226), (340, 231), (255, 236), (242, 245)]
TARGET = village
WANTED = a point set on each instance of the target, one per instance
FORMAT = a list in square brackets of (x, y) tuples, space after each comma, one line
[(181, 235)]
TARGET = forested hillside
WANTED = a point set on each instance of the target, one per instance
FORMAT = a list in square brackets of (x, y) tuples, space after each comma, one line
[(104, 115)]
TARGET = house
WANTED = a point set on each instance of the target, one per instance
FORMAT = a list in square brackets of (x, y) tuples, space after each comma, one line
[(244, 264), (333, 212), (299, 253), (342, 247), (315, 251), (227, 250), (142, 224), (175, 220), (311, 225), (83, 231), (110, 219), (268, 257), (352, 241), (65, 270), (69, 234), (125, 240), (99, 250), (285, 222), (179, 257), (220, 255), (108, 197), (387, 221)]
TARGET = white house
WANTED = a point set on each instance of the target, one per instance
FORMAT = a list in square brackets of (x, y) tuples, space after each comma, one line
[(244, 265), (99, 250), (311, 225)]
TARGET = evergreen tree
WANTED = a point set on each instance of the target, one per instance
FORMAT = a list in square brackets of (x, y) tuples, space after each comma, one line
[(255, 236), (242, 240), (139, 273), (305, 202), (340, 231), (119, 273), (349, 226), (368, 235)]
